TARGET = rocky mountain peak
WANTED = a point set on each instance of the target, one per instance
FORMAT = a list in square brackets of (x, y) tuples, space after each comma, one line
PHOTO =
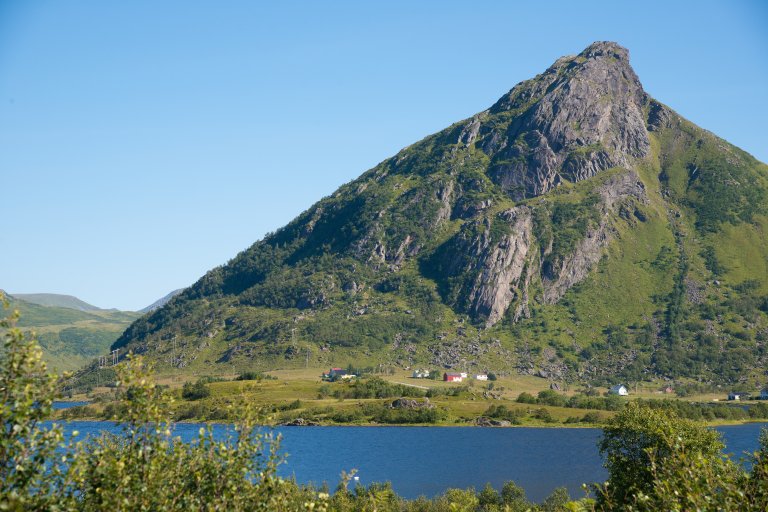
[(581, 116), (606, 49)]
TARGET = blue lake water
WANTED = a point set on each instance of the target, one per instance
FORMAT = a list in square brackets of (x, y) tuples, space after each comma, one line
[(66, 405), (428, 460)]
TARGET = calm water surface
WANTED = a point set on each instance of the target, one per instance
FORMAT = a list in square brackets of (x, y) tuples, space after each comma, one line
[(67, 405), (428, 460)]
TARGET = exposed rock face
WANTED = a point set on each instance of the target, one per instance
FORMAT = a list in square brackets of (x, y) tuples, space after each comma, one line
[(501, 266), (504, 265), (582, 116)]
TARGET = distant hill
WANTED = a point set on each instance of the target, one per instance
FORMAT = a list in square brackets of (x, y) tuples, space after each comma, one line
[(55, 300), (70, 336), (577, 229), (161, 302)]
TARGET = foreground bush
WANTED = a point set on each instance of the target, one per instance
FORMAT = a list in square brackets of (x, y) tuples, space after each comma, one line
[(143, 468), (657, 461), (27, 392)]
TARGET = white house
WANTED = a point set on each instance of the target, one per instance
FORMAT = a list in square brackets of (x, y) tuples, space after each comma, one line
[(618, 389), (420, 374), (463, 375), (733, 395), (481, 376)]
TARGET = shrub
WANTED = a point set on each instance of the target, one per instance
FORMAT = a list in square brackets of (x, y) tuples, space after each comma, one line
[(195, 391), (550, 397), (501, 412), (592, 417), (255, 376), (543, 415), (526, 398), (291, 406)]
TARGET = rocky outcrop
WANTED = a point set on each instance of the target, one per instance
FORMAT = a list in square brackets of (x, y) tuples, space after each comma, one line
[(501, 266), (659, 116), (408, 403), (576, 266), (299, 422), (482, 421)]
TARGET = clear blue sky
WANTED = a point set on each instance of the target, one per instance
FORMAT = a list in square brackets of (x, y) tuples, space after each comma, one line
[(143, 143)]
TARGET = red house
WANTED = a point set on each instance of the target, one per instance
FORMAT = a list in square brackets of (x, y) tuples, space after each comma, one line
[(452, 377)]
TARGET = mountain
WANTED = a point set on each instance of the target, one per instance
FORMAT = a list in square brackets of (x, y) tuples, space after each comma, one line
[(69, 336), (55, 300), (577, 229), (161, 302)]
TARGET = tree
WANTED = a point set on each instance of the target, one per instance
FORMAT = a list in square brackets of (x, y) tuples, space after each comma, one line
[(641, 442), (513, 497), (756, 485), (489, 499)]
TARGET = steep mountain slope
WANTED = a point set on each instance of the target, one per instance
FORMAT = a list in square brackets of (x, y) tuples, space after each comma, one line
[(71, 338), (578, 229), (161, 302)]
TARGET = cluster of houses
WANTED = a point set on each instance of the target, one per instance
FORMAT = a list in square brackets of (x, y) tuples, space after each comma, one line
[(335, 374), (460, 376), (449, 376), (621, 390), (735, 395)]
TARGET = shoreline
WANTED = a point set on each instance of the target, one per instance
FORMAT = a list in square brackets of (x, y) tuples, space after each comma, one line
[(408, 425)]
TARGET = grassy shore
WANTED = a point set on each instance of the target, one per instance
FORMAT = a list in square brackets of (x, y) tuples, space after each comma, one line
[(287, 395)]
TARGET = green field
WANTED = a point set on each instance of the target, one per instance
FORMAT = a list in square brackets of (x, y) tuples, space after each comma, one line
[(287, 395)]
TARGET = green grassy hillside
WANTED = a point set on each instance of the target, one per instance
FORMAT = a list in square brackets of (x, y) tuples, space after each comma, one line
[(71, 338)]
